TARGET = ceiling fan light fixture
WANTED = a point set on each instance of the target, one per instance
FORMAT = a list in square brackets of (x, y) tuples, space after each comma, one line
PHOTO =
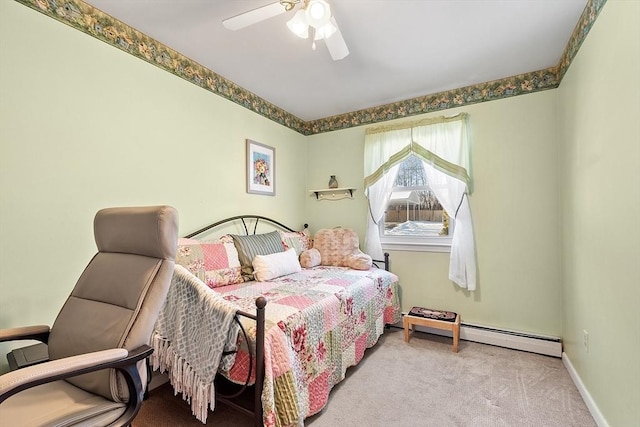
[(298, 24), (312, 16), (318, 13), (325, 31)]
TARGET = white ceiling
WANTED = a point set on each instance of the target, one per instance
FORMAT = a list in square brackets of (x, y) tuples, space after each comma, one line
[(399, 49)]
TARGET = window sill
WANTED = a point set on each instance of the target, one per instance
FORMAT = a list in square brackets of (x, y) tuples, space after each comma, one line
[(416, 247)]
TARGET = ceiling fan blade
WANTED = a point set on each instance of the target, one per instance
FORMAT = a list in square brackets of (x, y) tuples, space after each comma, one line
[(336, 44), (253, 16)]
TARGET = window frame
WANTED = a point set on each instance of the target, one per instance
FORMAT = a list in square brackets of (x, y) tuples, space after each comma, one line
[(414, 243)]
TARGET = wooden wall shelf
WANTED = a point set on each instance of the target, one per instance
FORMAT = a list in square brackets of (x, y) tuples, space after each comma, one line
[(333, 193)]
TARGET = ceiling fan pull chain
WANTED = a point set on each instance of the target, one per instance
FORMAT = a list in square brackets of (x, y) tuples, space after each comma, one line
[(313, 42)]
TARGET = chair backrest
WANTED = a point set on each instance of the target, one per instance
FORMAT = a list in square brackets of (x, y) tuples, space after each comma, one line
[(116, 301)]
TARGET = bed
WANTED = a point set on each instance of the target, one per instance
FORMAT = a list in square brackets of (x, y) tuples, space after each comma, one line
[(245, 308)]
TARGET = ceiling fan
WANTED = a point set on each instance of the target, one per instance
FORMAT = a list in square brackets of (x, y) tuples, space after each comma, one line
[(312, 16)]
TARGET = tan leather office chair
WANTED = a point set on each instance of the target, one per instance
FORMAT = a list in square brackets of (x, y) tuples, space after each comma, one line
[(106, 322)]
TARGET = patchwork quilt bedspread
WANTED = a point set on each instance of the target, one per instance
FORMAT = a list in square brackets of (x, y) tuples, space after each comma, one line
[(318, 323)]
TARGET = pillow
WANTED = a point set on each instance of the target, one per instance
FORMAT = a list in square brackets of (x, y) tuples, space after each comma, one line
[(257, 244), (358, 261), (298, 240), (267, 267), (310, 258), (183, 241), (190, 256), (340, 247), (335, 245), (215, 263)]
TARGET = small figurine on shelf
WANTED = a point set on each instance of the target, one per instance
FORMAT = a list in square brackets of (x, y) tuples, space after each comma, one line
[(333, 182)]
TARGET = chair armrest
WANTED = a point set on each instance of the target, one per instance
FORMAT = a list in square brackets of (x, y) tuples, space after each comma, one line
[(54, 370), (38, 332)]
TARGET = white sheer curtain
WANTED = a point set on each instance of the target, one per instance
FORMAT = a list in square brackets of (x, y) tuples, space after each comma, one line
[(451, 193), (443, 146), (383, 152), (378, 194)]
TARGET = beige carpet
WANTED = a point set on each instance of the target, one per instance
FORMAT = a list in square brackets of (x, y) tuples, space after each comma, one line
[(423, 383)]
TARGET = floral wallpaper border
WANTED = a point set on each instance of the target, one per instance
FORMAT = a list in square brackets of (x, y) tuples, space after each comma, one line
[(98, 24)]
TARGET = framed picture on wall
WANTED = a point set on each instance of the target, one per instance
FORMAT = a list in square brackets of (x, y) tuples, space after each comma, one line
[(261, 168)]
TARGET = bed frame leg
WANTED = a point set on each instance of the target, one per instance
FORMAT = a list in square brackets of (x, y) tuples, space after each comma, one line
[(261, 303)]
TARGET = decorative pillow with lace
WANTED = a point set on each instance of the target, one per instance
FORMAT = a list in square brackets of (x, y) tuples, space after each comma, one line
[(298, 240)]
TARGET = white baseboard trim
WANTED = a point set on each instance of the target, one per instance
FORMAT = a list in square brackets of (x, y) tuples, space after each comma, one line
[(549, 346), (588, 400)]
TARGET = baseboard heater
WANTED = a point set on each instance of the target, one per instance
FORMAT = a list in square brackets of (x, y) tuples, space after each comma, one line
[(550, 346)]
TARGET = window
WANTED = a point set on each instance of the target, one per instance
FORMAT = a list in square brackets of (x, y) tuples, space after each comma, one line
[(442, 146), (414, 218)]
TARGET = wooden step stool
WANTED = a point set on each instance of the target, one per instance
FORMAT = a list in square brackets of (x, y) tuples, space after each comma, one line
[(437, 319)]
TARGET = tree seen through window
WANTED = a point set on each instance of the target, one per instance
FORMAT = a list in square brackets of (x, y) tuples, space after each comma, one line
[(413, 209)]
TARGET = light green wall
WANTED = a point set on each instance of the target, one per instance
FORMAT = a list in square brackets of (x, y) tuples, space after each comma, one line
[(514, 206), (599, 114), (85, 126)]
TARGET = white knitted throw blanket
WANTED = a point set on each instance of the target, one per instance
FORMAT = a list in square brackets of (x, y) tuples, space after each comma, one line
[(194, 328)]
